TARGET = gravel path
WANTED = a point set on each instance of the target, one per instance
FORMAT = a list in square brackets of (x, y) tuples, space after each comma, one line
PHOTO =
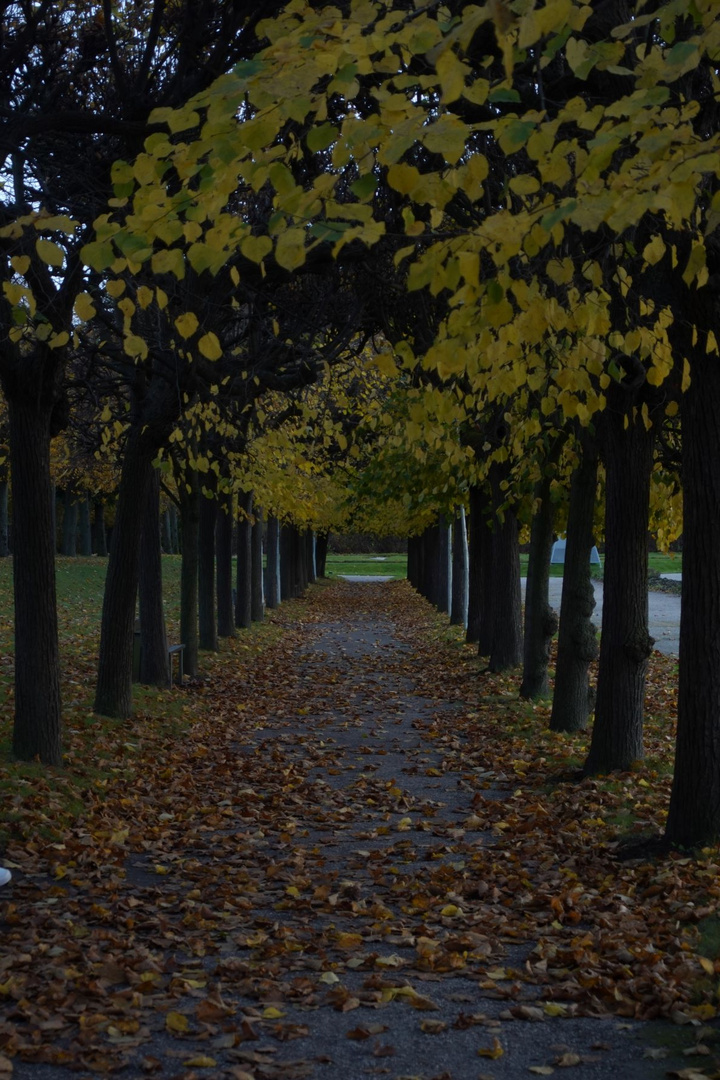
[(318, 974)]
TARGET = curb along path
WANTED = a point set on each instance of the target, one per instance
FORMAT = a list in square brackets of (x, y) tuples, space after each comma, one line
[(350, 872)]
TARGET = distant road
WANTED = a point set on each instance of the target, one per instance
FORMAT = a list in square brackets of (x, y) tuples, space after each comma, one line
[(664, 610), (664, 614)]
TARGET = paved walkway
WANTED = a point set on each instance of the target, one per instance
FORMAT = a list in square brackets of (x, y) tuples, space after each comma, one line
[(329, 893)]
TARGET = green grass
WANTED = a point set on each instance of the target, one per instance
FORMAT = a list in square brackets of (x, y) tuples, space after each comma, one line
[(392, 565)]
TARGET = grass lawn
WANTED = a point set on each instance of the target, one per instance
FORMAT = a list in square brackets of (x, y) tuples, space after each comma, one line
[(391, 565)]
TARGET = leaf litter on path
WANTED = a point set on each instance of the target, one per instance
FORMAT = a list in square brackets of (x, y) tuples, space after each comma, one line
[(361, 857)]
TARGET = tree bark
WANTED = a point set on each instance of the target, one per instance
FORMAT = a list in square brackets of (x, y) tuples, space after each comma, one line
[(444, 555), (694, 815), (243, 586), (99, 533), (189, 571), (321, 550), (208, 638), (273, 562), (4, 523), (113, 694), (506, 610), (166, 533), (541, 621), (625, 644), (475, 552), (154, 661), (258, 598), (577, 639), (459, 604), (310, 557), (37, 728), (70, 524), (223, 547), (84, 527), (287, 562)]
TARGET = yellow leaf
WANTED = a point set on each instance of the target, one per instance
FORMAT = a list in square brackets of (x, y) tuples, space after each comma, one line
[(271, 1013), (707, 965), (135, 346), (654, 251), (201, 1061), (290, 249), (144, 296), (348, 941), (494, 1052), (115, 288), (187, 324), (254, 248), (20, 263), (685, 376), (84, 307), (50, 253), (175, 1021), (210, 347), (169, 261), (550, 1008)]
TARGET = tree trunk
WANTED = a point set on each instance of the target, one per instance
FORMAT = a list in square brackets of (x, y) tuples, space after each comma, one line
[(154, 661), (321, 550), (444, 556), (4, 531), (415, 561), (99, 534), (223, 548), (273, 562), (166, 533), (208, 638), (540, 620), (694, 816), (506, 650), (475, 551), (287, 562), (113, 694), (37, 729), (70, 524), (243, 596), (625, 644), (174, 531), (301, 560), (84, 527), (310, 557), (258, 599), (459, 603), (577, 639), (189, 572)]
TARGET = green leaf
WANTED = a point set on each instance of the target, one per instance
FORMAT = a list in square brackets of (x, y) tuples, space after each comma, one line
[(500, 95), (50, 253), (365, 186), (319, 138)]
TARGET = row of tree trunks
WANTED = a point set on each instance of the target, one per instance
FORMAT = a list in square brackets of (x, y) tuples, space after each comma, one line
[(154, 660), (625, 643), (438, 566), (540, 619), (577, 639), (459, 570), (113, 695), (4, 520), (170, 531), (244, 582), (223, 553)]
